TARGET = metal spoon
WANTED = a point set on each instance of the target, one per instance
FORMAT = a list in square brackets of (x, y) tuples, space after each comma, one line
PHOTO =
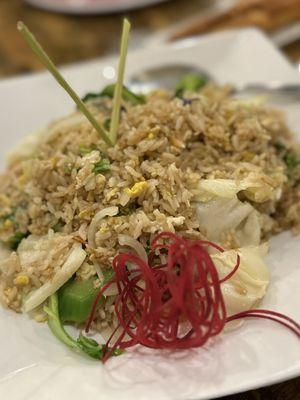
[(167, 76)]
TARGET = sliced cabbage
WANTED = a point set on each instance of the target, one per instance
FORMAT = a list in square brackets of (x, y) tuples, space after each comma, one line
[(92, 230), (75, 259), (209, 189), (219, 216), (257, 187), (219, 211), (249, 284)]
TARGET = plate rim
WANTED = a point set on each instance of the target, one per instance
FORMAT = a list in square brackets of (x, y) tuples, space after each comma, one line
[(97, 9)]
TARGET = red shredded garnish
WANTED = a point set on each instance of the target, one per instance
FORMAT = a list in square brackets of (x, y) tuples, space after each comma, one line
[(268, 314), (176, 305)]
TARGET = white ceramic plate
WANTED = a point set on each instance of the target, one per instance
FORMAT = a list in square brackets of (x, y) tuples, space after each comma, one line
[(92, 6), (35, 366)]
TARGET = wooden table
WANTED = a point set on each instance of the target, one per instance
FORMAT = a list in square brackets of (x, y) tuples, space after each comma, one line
[(71, 38), (74, 38)]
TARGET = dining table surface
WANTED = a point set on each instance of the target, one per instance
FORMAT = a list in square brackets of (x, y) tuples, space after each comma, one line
[(72, 38)]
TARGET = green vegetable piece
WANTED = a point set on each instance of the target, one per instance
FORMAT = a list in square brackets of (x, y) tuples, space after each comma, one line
[(147, 247), (55, 324), (291, 161), (58, 226), (86, 345), (190, 82), (133, 98), (48, 63), (108, 275), (90, 346), (279, 146), (101, 166), (76, 300), (128, 209), (14, 241), (90, 96), (84, 150), (12, 216), (108, 91)]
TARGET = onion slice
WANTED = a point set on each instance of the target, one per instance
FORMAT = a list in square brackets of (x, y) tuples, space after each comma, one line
[(74, 261), (105, 212), (126, 240)]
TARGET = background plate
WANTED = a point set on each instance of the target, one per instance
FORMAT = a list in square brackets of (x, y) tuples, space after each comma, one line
[(35, 366), (92, 6)]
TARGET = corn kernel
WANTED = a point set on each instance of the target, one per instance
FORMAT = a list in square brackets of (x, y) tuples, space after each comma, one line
[(21, 280), (154, 132), (84, 213)]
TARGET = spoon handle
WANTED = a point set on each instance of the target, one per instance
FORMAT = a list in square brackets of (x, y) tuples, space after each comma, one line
[(289, 90)]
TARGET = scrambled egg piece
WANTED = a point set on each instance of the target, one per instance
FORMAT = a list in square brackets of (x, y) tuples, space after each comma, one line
[(21, 280), (103, 229), (136, 189)]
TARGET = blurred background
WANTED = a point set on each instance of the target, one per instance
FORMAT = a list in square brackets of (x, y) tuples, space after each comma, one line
[(77, 30)]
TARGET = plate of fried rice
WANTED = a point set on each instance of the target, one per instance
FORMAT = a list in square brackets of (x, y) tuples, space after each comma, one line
[(171, 254)]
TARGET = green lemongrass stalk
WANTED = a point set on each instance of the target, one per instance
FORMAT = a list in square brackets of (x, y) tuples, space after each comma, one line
[(44, 58), (115, 115)]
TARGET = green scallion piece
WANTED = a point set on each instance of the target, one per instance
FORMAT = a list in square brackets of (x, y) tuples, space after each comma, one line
[(48, 63), (115, 115)]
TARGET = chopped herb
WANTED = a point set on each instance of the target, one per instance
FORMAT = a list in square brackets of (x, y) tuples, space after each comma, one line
[(58, 226), (23, 205), (9, 217), (147, 247), (127, 210), (108, 91), (14, 241), (107, 124), (291, 161), (279, 146), (190, 82), (101, 166)]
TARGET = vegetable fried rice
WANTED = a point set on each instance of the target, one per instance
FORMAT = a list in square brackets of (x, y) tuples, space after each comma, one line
[(206, 166)]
